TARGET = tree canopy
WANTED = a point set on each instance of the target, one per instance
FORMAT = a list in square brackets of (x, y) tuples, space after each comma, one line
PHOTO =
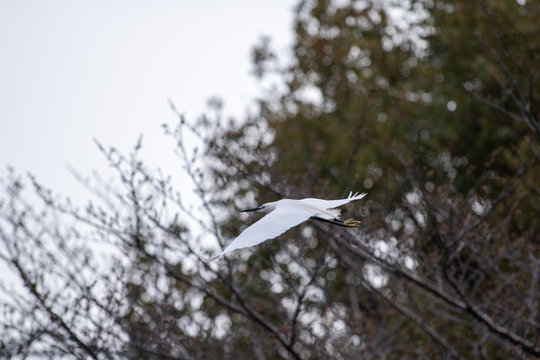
[(430, 106)]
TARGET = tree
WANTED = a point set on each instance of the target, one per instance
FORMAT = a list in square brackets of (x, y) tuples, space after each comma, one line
[(431, 106)]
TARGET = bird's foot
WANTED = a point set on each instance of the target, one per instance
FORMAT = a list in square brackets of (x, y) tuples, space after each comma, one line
[(352, 223)]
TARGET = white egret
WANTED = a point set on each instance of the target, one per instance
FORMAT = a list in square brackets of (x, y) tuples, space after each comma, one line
[(287, 213)]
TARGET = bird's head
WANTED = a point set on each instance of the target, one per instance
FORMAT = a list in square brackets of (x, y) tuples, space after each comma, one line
[(264, 208)]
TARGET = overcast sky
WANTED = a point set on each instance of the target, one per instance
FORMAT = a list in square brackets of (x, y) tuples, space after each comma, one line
[(72, 71)]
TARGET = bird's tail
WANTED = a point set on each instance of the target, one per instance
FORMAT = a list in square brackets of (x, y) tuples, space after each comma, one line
[(356, 196)]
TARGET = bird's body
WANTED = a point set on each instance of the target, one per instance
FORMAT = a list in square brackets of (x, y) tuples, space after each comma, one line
[(287, 213)]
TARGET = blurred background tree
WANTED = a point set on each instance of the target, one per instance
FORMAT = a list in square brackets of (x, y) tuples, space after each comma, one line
[(430, 106)]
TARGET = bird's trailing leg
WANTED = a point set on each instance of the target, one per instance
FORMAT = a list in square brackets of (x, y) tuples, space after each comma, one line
[(339, 222)]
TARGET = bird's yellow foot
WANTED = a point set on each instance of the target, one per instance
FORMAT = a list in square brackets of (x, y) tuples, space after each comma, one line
[(352, 223)]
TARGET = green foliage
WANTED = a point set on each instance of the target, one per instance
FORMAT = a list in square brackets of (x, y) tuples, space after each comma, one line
[(445, 107)]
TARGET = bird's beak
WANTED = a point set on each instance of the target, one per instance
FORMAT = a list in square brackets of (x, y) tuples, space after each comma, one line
[(254, 209)]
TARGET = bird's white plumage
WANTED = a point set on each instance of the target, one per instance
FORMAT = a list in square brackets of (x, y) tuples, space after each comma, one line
[(287, 213), (331, 204), (269, 227)]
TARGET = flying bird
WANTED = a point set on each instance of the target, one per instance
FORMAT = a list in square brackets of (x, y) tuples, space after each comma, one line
[(287, 213)]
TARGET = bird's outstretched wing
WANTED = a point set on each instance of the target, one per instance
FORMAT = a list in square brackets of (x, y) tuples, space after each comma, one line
[(330, 204), (270, 226)]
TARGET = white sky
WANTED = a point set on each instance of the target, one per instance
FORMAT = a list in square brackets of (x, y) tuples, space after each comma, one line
[(73, 70)]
